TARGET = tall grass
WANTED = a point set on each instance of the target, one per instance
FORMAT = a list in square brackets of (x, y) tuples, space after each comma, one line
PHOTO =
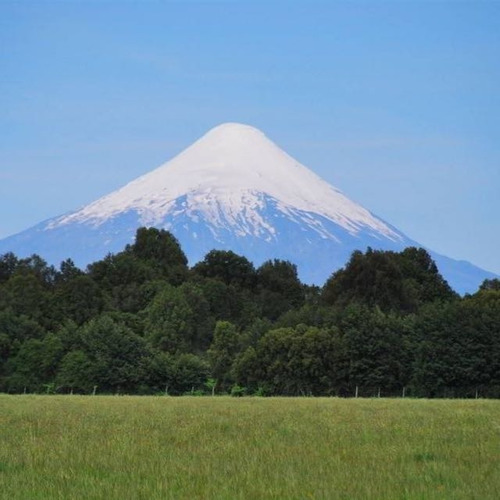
[(233, 448)]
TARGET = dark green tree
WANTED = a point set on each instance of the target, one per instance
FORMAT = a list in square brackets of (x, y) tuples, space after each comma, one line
[(392, 281), (8, 264), (490, 285), (35, 364), (169, 321), (230, 268), (190, 373), (294, 361), (161, 250), (24, 295), (79, 299), (222, 352), (458, 348), (76, 373), (280, 290), (375, 349), (202, 320), (116, 355), (68, 271)]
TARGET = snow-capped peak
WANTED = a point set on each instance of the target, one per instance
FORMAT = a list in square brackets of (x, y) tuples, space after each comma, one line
[(229, 171), (233, 189)]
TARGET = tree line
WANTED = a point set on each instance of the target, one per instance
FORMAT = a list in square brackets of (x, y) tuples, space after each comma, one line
[(142, 322)]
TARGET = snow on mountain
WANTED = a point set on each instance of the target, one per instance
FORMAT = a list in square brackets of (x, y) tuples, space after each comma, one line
[(232, 189), (225, 174)]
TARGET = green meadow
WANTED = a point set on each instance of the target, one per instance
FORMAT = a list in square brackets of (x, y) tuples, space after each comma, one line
[(121, 447)]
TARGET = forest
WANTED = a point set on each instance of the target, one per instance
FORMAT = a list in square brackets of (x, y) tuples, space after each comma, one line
[(143, 322)]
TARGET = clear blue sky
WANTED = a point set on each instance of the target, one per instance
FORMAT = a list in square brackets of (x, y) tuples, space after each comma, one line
[(396, 103)]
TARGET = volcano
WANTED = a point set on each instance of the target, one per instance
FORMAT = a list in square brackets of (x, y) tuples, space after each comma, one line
[(232, 189)]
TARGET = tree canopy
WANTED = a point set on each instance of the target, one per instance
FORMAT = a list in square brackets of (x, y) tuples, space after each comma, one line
[(142, 322)]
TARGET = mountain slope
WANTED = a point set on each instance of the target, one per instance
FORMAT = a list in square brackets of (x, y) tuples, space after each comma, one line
[(232, 189)]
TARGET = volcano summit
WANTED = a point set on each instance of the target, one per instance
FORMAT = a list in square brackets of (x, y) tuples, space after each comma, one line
[(232, 189)]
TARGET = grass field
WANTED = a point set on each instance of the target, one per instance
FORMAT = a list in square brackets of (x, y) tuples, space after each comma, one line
[(120, 447)]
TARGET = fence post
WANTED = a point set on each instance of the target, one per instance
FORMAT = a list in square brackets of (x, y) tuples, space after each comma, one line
[(404, 391), (356, 395), (94, 391)]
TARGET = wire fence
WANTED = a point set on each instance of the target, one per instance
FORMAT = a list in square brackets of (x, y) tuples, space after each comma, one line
[(357, 391)]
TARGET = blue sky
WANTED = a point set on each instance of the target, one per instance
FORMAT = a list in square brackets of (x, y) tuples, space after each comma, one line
[(396, 103)]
